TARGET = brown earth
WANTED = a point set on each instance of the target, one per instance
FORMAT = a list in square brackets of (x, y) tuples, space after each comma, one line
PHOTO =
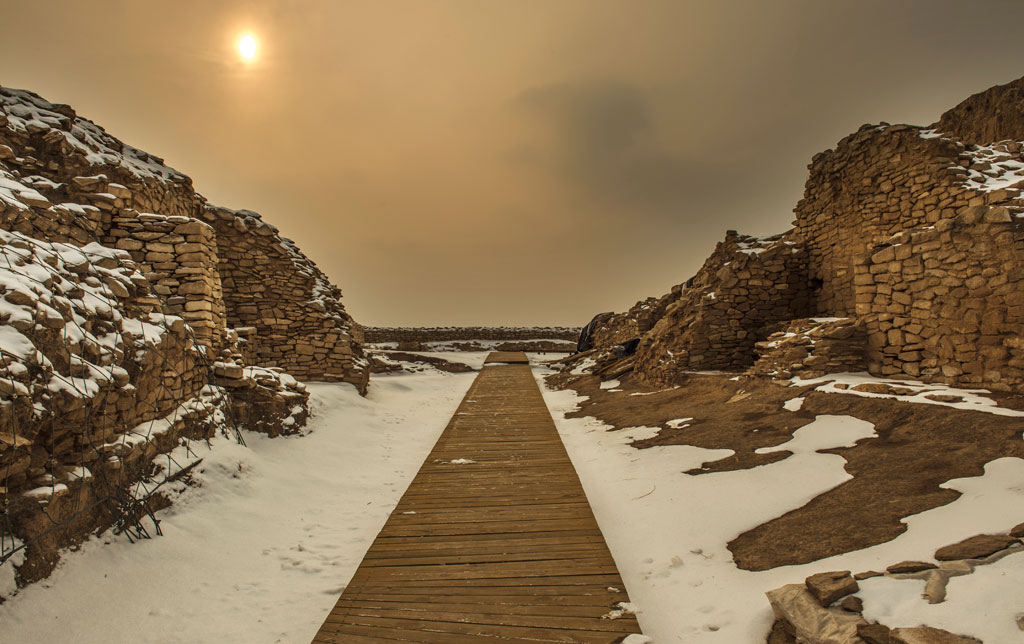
[(896, 475)]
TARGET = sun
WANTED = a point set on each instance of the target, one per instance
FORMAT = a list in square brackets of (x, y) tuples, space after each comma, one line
[(248, 47)]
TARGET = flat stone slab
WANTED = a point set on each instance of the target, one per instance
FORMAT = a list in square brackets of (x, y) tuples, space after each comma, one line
[(493, 541)]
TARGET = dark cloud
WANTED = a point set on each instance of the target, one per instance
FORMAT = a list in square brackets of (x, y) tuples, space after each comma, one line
[(601, 136)]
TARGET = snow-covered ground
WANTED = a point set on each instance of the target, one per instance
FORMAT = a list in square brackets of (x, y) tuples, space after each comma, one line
[(261, 550), (668, 530), (259, 553)]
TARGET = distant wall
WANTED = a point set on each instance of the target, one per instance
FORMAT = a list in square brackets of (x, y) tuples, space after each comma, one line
[(450, 333)]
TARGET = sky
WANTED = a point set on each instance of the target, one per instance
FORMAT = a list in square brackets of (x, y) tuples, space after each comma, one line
[(505, 162)]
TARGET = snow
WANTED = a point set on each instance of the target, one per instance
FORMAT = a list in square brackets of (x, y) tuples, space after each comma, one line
[(583, 366), (261, 550), (668, 530), (1004, 169), (610, 384), (973, 399), (474, 359), (793, 404), (825, 432)]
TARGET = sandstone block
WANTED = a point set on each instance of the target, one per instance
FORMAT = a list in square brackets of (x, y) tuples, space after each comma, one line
[(827, 587), (905, 567), (874, 633), (976, 547)]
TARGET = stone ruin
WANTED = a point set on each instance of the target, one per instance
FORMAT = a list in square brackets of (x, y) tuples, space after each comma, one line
[(134, 319), (913, 235)]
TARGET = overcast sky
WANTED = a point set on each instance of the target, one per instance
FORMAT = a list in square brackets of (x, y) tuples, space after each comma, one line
[(505, 161)]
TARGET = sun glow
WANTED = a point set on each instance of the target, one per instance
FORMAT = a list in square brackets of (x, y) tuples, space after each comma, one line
[(248, 46)]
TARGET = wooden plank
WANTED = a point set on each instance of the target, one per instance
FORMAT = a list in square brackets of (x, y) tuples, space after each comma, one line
[(504, 548)]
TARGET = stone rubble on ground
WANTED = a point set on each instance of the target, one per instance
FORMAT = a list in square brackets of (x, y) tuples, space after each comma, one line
[(806, 613)]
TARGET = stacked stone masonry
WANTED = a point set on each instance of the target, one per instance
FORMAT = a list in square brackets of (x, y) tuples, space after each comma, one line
[(291, 313), (88, 186), (945, 302), (617, 328)]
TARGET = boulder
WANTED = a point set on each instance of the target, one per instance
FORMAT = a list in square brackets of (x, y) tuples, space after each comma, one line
[(811, 623)]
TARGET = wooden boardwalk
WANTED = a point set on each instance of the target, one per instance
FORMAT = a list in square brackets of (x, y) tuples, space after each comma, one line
[(493, 541)]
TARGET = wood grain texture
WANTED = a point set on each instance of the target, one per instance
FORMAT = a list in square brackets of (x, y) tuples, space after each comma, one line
[(493, 540)]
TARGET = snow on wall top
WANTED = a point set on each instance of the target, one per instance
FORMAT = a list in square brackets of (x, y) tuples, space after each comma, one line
[(30, 113)]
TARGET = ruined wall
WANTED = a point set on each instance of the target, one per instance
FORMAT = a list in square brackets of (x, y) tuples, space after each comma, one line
[(269, 286), (876, 182), (93, 385), (114, 339), (453, 333), (936, 303), (747, 284), (945, 303), (85, 185), (635, 322)]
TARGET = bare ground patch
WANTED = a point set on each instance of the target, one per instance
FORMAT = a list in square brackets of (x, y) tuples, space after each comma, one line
[(896, 475)]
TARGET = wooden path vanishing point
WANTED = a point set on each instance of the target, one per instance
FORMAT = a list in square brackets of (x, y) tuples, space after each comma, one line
[(493, 540)]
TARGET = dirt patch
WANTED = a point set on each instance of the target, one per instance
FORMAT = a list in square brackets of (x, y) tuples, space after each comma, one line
[(897, 474)]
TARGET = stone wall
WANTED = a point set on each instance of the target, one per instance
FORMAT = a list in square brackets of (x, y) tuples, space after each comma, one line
[(93, 386), (270, 287), (454, 333), (945, 302), (876, 182), (746, 285), (84, 185), (178, 256), (910, 231)]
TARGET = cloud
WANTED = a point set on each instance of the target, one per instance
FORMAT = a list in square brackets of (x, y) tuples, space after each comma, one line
[(601, 138)]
